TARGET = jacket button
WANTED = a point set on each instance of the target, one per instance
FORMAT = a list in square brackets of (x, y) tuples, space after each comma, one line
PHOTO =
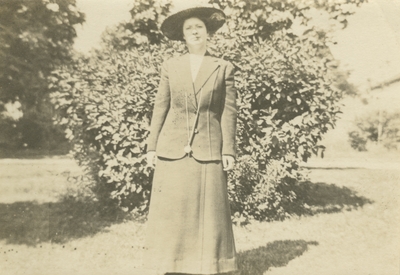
[(196, 131)]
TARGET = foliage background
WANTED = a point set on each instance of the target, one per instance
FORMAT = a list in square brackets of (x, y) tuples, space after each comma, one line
[(36, 36), (289, 92)]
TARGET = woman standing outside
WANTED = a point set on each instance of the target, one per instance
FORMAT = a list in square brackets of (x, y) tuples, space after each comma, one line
[(192, 145)]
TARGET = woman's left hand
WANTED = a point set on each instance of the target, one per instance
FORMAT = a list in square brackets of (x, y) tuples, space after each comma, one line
[(228, 162)]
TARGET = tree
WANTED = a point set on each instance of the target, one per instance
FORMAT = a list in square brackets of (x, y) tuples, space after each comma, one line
[(288, 97), (36, 36)]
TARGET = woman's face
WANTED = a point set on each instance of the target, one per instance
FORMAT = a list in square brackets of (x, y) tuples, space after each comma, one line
[(194, 32)]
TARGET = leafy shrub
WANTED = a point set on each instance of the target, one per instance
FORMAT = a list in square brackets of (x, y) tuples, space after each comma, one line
[(263, 195), (106, 104), (287, 100), (357, 141)]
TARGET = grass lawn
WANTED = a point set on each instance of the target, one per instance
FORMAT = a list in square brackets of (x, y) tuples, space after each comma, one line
[(355, 229)]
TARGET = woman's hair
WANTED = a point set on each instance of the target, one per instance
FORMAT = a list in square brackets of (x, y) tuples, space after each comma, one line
[(203, 19)]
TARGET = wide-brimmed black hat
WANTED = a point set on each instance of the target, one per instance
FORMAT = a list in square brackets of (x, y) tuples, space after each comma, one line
[(172, 27)]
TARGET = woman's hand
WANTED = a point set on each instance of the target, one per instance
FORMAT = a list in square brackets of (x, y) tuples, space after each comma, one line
[(228, 162), (151, 158)]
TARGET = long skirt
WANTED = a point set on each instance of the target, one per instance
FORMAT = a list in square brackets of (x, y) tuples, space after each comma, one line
[(189, 227)]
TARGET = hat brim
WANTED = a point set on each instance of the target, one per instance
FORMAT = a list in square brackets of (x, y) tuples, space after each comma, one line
[(172, 27)]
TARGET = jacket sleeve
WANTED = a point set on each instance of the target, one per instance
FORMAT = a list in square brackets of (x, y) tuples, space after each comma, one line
[(161, 108), (229, 113)]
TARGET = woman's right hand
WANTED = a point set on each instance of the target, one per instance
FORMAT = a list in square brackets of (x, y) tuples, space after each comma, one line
[(151, 159)]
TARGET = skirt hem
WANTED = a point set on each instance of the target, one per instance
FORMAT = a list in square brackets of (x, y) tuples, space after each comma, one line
[(203, 267)]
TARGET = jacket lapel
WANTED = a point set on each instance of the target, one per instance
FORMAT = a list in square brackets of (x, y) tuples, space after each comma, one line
[(207, 67)]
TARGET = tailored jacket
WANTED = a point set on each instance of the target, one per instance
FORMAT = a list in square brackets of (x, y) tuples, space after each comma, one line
[(175, 107)]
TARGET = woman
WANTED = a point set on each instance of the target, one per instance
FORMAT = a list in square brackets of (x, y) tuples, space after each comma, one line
[(192, 137)]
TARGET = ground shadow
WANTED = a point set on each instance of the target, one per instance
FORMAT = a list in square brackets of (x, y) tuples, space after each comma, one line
[(31, 223), (12, 153), (321, 197), (275, 254)]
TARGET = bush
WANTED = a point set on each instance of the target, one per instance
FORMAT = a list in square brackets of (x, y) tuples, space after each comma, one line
[(287, 100), (105, 103), (266, 195), (376, 127), (357, 141)]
